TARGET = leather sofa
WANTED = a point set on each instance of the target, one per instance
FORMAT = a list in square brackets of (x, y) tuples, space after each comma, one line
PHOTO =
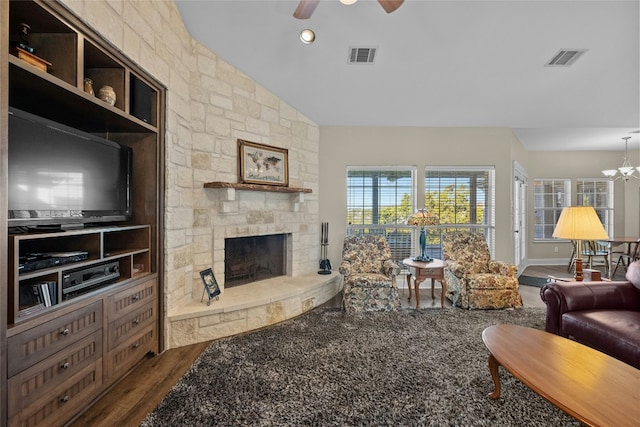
[(602, 315)]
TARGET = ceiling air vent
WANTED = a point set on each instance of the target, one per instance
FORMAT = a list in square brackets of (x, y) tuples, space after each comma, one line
[(565, 57), (361, 55)]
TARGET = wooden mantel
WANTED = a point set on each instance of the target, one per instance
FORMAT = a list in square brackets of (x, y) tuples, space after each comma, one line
[(256, 187)]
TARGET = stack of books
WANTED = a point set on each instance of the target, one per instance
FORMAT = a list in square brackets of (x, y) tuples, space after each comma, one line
[(34, 297)]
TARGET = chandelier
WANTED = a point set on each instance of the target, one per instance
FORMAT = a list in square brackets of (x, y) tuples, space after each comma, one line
[(626, 170)]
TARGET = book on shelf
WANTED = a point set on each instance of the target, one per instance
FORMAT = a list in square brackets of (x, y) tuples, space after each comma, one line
[(53, 292), (44, 293)]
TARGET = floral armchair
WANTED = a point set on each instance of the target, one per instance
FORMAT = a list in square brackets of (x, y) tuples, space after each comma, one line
[(369, 275), (474, 280)]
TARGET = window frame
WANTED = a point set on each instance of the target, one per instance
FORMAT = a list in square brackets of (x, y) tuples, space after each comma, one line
[(401, 237), (488, 224), (605, 213), (541, 210)]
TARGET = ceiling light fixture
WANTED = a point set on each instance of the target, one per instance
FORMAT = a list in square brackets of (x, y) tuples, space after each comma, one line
[(626, 170), (348, 2), (307, 36)]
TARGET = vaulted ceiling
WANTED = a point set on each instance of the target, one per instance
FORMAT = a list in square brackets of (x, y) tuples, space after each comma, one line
[(443, 63)]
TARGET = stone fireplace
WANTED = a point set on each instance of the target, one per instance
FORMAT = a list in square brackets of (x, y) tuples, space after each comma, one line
[(238, 226), (253, 258)]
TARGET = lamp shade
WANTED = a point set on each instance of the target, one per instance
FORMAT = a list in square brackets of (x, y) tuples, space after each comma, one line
[(579, 223)]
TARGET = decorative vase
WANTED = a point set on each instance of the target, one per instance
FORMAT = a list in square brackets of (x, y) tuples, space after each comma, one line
[(423, 247), (107, 94), (88, 86), (423, 243)]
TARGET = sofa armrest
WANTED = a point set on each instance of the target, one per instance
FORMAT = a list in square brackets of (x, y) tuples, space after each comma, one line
[(563, 297)]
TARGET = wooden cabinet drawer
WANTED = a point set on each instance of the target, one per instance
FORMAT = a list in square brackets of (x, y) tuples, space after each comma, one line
[(31, 346), (64, 400), (131, 351), (130, 323), (130, 299), (45, 377)]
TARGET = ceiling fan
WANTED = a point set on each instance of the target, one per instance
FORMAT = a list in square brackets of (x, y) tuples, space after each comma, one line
[(306, 7)]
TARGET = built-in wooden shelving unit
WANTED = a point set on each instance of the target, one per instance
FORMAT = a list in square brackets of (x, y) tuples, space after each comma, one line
[(72, 328)]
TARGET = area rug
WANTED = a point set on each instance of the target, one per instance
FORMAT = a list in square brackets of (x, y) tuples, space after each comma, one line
[(326, 368), (532, 281)]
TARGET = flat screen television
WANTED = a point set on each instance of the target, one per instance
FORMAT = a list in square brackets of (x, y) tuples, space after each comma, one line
[(60, 176)]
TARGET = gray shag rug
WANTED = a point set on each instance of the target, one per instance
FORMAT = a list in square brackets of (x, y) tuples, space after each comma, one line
[(327, 368)]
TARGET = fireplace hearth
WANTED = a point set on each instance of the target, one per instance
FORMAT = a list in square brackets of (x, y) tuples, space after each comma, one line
[(254, 258)]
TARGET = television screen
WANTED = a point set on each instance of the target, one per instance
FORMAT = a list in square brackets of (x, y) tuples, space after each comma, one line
[(60, 175)]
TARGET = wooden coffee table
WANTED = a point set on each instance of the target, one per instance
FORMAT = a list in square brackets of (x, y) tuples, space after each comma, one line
[(421, 271), (591, 386)]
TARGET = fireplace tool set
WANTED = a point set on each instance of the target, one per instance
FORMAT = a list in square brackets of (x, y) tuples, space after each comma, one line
[(325, 264)]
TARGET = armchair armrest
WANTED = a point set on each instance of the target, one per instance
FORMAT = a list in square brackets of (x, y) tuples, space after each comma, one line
[(345, 268), (563, 297), (391, 268), (456, 268), (503, 268)]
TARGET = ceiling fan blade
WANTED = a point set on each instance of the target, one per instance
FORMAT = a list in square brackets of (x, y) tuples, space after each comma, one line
[(305, 9), (390, 5)]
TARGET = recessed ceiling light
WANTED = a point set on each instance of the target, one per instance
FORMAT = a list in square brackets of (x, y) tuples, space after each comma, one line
[(348, 2), (307, 36)]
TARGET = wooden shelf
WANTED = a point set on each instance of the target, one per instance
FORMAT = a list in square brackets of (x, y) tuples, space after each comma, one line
[(256, 187)]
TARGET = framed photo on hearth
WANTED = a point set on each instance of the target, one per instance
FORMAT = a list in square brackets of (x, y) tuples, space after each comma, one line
[(211, 287), (262, 164)]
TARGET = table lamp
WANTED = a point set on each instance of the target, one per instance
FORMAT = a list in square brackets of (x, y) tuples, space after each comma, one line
[(579, 223)]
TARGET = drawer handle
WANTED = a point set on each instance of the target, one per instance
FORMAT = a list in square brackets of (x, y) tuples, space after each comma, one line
[(136, 297), (65, 365), (136, 345), (65, 398), (65, 332), (136, 322)]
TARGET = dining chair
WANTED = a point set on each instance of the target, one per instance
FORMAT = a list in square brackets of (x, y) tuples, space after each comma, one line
[(626, 257), (572, 258), (589, 249), (597, 249)]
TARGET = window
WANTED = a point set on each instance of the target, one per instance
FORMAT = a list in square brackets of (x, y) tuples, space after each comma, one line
[(379, 201), (549, 197), (598, 192), (462, 197)]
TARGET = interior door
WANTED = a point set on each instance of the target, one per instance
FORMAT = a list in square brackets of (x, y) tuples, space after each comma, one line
[(519, 216)]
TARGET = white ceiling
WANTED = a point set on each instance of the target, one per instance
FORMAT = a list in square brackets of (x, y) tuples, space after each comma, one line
[(443, 63)]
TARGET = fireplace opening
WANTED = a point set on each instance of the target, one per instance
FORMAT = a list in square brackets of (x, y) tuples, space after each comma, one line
[(253, 258)]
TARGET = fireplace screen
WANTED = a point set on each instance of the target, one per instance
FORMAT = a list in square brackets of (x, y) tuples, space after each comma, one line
[(249, 259)]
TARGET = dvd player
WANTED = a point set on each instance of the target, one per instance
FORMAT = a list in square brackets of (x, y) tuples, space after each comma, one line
[(40, 260)]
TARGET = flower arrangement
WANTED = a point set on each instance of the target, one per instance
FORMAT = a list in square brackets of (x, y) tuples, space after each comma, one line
[(422, 218)]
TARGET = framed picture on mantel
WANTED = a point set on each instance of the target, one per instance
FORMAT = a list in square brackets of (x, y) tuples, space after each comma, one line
[(263, 164)]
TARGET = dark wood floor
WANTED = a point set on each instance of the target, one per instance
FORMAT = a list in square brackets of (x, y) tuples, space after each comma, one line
[(561, 271), (140, 392), (136, 395)]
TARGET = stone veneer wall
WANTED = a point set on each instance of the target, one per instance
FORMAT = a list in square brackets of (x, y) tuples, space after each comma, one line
[(210, 104)]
